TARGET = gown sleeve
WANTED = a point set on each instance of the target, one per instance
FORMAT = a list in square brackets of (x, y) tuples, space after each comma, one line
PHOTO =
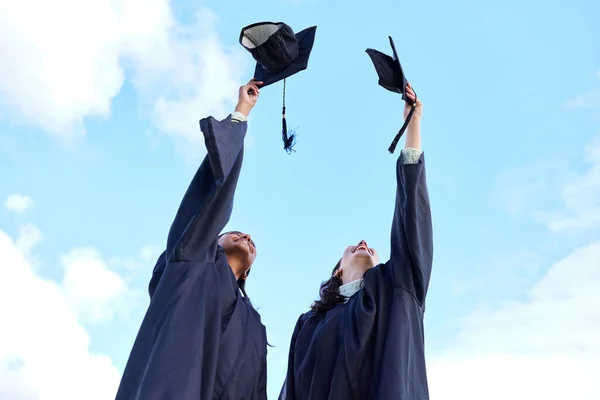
[(208, 201), (412, 232), (287, 390)]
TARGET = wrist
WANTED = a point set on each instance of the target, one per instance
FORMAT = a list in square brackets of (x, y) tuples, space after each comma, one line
[(243, 108), (416, 118)]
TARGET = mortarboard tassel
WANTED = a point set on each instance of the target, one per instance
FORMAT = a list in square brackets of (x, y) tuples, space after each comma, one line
[(392, 147), (289, 137)]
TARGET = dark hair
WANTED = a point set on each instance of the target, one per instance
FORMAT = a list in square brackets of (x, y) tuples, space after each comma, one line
[(242, 285), (329, 292)]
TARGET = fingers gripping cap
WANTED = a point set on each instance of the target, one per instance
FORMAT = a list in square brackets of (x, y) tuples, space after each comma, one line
[(392, 77)]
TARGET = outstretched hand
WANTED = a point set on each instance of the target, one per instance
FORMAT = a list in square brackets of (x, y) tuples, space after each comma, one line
[(410, 93), (248, 96)]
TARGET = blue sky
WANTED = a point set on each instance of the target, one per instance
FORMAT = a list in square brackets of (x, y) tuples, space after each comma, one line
[(98, 141)]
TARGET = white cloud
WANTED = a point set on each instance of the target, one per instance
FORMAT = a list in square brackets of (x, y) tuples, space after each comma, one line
[(94, 292), (189, 75), (533, 189), (29, 236), (145, 260), (500, 377), (18, 203), (69, 59), (544, 347), (44, 350), (149, 254), (581, 195), (518, 189), (60, 63)]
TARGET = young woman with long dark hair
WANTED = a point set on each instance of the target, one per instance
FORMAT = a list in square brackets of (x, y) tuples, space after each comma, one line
[(201, 338), (363, 339)]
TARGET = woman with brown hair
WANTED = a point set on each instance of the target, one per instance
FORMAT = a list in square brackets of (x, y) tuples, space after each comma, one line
[(363, 339)]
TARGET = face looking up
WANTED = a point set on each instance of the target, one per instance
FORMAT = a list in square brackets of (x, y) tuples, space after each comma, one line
[(239, 249), (356, 260)]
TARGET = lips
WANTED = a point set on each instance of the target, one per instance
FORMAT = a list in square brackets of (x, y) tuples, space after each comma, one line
[(363, 246)]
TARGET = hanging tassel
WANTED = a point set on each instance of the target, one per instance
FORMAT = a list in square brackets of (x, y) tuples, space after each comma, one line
[(392, 147), (289, 137)]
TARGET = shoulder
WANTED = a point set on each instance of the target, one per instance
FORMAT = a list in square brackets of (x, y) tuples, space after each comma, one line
[(303, 318), (377, 279), (377, 272), (301, 321), (306, 316)]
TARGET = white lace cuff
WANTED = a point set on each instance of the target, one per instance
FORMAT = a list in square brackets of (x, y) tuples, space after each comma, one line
[(410, 155), (238, 117)]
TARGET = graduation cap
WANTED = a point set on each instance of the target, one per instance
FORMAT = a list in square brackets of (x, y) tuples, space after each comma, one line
[(391, 77), (279, 54)]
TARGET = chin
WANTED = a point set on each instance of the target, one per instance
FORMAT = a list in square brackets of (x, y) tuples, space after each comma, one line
[(362, 255), (240, 252), (241, 247)]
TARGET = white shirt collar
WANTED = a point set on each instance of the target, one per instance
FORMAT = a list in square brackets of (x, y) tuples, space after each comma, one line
[(349, 289)]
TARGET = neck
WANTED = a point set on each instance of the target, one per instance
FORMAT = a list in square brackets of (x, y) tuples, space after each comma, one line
[(237, 267), (354, 275)]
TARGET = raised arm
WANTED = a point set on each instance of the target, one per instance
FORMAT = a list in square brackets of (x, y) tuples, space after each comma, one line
[(412, 233), (207, 204)]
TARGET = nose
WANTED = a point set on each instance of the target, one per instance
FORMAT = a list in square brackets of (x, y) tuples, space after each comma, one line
[(362, 242), (246, 236)]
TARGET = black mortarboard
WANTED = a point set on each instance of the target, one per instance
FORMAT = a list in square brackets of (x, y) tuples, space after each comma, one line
[(391, 77), (279, 54)]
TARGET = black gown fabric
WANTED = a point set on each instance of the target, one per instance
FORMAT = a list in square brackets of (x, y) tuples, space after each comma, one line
[(200, 338), (372, 347)]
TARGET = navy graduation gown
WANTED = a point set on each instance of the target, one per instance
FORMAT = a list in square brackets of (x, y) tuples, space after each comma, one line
[(200, 338), (372, 347)]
